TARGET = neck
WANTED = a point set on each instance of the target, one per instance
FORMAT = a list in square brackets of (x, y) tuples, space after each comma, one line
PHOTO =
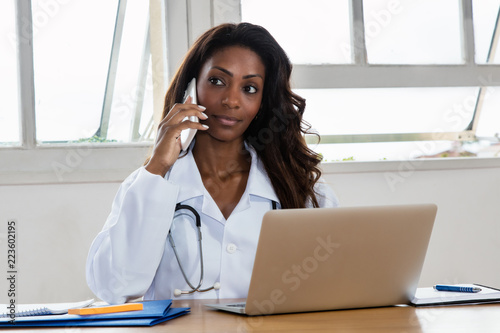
[(220, 158)]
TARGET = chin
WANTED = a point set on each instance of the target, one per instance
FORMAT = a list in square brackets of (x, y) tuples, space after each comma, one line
[(224, 136)]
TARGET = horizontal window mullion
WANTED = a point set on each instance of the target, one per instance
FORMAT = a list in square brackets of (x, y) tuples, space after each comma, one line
[(392, 76), (391, 137)]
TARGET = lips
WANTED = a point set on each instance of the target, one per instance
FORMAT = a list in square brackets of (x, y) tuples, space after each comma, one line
[(226, 120)]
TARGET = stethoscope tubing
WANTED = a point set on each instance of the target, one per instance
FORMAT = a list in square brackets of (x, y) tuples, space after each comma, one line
[(200, 250), (216, 286)]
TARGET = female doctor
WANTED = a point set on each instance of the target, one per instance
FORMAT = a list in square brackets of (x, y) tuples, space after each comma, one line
[(247, 158)]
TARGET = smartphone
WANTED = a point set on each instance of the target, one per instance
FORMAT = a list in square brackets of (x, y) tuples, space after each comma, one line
[(187, 135)]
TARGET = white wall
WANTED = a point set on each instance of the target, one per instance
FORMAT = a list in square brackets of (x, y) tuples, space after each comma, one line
[(465, 243), (57, 223)]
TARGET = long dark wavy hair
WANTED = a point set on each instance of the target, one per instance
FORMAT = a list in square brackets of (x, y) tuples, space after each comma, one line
[(276, 132)]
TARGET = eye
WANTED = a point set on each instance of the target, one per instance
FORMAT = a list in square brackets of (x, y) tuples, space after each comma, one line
[(250, 89), (216, 81)]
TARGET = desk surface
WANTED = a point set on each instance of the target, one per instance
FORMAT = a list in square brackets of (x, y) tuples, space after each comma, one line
[(456, 319)]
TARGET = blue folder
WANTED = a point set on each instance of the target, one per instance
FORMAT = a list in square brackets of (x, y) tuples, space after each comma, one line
[(154, 312)]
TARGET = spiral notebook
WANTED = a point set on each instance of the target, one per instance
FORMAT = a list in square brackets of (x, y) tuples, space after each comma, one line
[(154, 312), (25, 310)]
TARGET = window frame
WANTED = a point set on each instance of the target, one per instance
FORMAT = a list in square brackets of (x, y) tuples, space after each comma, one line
[(361, 74), (174, 26)]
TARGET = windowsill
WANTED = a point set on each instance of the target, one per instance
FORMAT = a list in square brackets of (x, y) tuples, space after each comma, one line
[(449, 163), (63, 163), (98, 163)]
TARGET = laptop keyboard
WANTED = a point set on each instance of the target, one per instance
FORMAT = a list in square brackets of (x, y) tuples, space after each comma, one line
[(237, 305)]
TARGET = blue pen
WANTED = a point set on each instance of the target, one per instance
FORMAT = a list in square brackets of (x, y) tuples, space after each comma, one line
[(442, 287)]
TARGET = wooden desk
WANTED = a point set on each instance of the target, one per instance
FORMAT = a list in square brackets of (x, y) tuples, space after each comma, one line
[(456, 319)]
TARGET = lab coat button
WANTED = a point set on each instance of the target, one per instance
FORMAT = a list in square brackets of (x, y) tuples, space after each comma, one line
[(231, 248)]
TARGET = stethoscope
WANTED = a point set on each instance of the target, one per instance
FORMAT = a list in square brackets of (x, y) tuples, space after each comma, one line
[(216, 285)]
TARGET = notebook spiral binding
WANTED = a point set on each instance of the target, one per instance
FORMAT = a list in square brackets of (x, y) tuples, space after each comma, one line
[(26, 313)]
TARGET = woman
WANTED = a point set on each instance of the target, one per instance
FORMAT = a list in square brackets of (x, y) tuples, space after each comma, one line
[(248, 157)]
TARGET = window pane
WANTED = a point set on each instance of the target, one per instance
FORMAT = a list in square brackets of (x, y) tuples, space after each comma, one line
[(72, 43), (9, 109), (413, 32), (485, 13), (489, 119), (402, 110), (72, 49), (380, 151), (128, 92), (311, 32), (389, 110)]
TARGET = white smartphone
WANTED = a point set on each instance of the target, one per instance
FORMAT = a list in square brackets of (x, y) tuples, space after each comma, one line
[(187, 135)]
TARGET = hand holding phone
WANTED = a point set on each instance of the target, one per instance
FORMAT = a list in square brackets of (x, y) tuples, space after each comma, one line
[(165, 151), (187, 135)]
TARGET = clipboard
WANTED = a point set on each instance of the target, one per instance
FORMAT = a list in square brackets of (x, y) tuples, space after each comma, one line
[(431, 297)]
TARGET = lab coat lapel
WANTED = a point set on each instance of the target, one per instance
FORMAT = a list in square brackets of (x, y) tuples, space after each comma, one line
[(259, 183), (185, 173)]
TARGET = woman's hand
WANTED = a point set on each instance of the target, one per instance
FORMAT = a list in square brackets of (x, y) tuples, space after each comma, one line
[(168, 142)]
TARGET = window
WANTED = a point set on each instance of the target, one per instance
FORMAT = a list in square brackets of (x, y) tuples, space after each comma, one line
[(79, 88), (90, 75), (485, 17), (309, 31), (419, 81), (413, 32), (9, 110), (83, 89)]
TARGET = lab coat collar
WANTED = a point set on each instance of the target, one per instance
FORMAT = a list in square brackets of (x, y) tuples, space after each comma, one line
[(259, 183), (185, 173)]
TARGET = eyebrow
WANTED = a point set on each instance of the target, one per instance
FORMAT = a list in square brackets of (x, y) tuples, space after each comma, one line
[(231, 74)]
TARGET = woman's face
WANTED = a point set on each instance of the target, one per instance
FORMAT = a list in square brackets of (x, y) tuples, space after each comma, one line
[(230, 85)]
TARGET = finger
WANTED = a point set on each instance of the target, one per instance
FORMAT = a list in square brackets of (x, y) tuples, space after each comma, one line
[(186, 124), (168, 132), (180, 111), (181, 115)]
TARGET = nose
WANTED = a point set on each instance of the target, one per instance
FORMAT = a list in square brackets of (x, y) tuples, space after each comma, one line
[(232, 98)]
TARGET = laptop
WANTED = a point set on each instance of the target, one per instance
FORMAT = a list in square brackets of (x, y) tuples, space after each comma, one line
[(337, 258)]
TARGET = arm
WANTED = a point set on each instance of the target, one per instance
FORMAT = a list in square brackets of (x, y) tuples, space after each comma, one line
[(123, 258), (125, 255)]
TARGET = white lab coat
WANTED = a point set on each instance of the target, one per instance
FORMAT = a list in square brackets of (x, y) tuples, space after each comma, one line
[(131, 257)]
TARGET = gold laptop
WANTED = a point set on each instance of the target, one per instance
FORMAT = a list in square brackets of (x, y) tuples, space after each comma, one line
[(337, 258)]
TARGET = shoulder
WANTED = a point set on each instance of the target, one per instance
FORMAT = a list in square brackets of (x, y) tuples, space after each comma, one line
[(325, 195)]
